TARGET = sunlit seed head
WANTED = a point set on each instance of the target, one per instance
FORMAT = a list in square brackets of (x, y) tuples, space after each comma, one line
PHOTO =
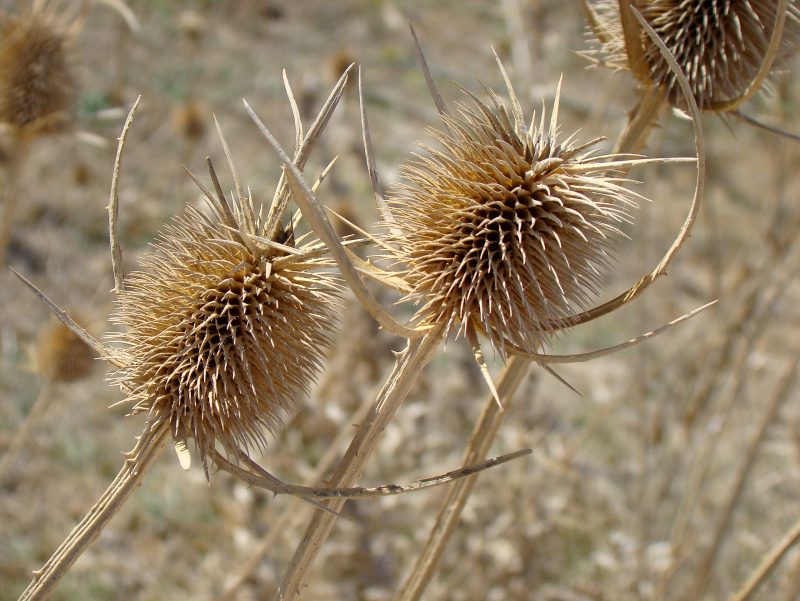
[(718, 44), (221, 340), (37, 85), (504, 229)]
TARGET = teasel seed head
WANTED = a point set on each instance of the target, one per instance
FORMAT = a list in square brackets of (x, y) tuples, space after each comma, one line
[(719, 45), (223, 335), (505, 230), (37, 84)]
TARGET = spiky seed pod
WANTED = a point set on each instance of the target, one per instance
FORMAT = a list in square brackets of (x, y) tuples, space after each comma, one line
[(504, 230), (222, 339), (719, 44), (60, 355), (37, 85)]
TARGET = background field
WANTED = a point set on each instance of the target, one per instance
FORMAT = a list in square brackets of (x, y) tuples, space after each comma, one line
[(631, 486)]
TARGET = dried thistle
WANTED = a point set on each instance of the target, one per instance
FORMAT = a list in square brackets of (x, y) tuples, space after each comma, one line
[(222, 335), (720, 45), (37, 84), (505, 231)]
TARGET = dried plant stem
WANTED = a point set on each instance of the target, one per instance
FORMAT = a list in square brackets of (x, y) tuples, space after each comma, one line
[(736, 355), (409, 364), (37, 411), (641, 120), (293, 514), (113, 205), (785, 390), (453, 504), (137, 462), (768, 564), (261, 478)]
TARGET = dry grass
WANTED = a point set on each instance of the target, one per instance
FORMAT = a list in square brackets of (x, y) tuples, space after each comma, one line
[(674, 472)]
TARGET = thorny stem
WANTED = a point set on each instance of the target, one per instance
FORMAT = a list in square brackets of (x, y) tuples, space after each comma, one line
[(261, 478), (453, 504), (137, 462), (408, 366), (292, 515), (113, 205)]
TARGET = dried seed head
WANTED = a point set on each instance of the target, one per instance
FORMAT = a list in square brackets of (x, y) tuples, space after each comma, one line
[(60, 355), (504, 230), (222, 339), (37, 86), (719, 44), (189, 120)]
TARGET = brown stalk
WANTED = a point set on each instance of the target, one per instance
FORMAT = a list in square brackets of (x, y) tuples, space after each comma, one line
[(737, 355), (452, 505), (786, 388), (137, 462), (257, 476), (768, 565), (410, 362), (113, 205), (292, 515)]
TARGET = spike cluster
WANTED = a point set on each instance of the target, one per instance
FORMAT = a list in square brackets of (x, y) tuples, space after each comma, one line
[(220, 338), (719, 44), (37, 86), (505, 231)]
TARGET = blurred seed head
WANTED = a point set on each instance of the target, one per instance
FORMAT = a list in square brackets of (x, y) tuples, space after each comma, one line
[(719, 44), (60, 355), (189, 120), (37, 85), (192, 25), (222, 339), (504, 230)]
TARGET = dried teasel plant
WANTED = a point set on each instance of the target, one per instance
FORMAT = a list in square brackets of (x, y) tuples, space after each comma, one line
[(38, 84), (451, 507), (223, 332), (504, 233), (726, 48)]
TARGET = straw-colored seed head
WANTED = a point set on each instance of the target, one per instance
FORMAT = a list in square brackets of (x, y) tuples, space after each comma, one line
[(719, 44), (60, 355), (221, 340), (189, 120), (37, 86), (504, 230)]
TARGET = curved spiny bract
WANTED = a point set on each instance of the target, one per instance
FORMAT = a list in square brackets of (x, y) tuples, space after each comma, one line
[(719, 44), (37, 84), (222, 340), (505, 230)]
